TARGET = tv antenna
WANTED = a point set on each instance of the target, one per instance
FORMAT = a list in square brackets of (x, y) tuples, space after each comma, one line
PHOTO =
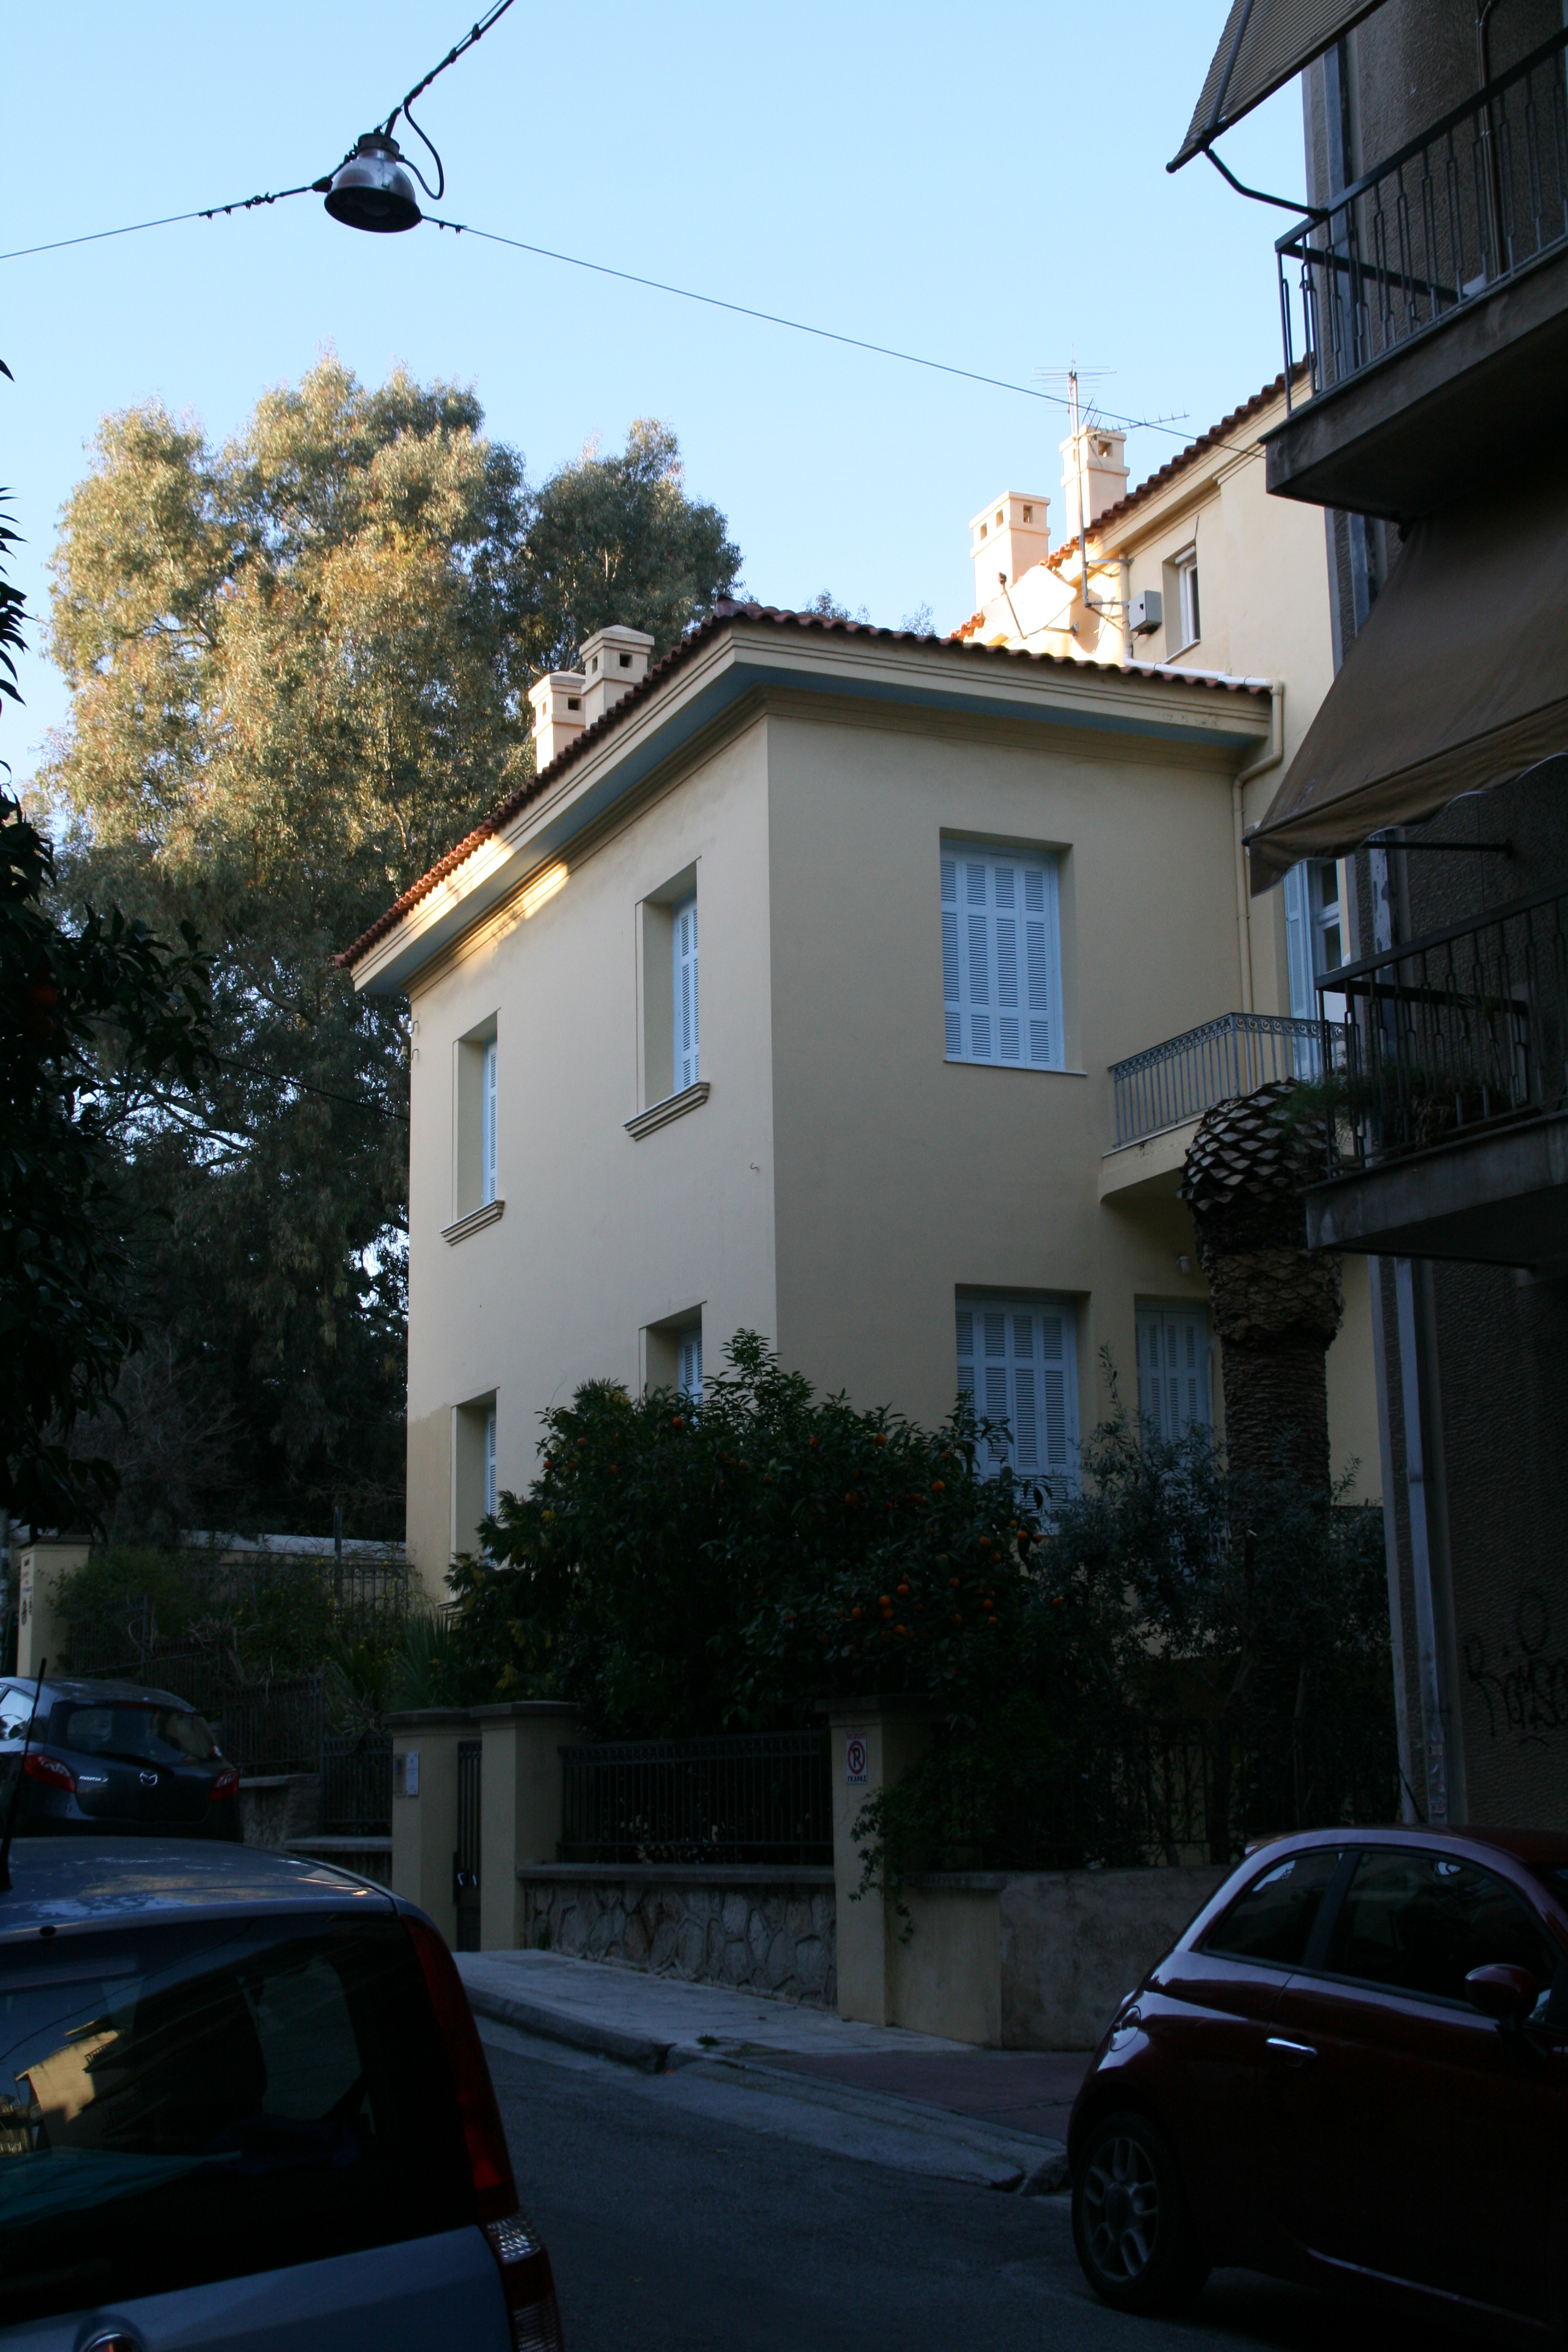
[(1073, 376)]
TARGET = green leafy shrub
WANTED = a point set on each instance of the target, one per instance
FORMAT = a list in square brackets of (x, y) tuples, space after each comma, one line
[(680, 1572)]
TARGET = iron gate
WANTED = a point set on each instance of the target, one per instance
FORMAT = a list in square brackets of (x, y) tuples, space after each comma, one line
[(466, 1860)]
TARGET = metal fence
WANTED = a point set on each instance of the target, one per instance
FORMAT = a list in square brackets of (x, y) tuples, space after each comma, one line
[(1470, 202), (273, 1727), (1188, 1075), (1464, 1029), (356, 1784), (1142, 1790), (762, 1796)]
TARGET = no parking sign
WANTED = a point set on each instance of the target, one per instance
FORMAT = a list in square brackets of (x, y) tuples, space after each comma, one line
[(855, 1757)]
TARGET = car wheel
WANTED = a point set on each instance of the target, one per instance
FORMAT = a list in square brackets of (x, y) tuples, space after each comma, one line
[(1129, 2220)]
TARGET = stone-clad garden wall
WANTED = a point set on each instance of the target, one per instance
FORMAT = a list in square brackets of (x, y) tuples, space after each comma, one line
[(767, 1931)]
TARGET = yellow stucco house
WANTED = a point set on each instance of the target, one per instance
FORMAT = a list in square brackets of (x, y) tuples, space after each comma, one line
[(791, 993)]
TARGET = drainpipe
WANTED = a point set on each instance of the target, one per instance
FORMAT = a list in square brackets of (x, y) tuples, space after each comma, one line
[(1434, 1742), (1124, 583), (1270, 757)]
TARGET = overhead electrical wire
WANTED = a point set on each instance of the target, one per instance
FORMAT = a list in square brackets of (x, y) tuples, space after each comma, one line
[(599, 269)]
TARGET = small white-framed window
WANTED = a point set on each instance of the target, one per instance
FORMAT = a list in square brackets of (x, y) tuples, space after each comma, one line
[(687, 1068), (1174, 1381), (1189, 619), (1001, 957), (491, 1463), (689, 1363), (1017, 1359), (487, 1124), (1314, 935)]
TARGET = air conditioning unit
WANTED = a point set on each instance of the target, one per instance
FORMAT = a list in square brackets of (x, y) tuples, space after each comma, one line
[(1147, 612)]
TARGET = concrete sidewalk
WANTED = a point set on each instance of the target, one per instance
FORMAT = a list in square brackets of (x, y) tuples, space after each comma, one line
[(1011, 2101)]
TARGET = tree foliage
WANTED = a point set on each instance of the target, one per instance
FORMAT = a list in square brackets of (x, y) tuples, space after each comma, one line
[(103, 997), (616, 539), (678, 1571), (297, 666)]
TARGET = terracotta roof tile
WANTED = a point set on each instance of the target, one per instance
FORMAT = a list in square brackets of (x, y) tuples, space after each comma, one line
[(722, 616)]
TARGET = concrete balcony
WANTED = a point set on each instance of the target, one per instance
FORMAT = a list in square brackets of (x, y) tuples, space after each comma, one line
[(1450, 1138), (1163, 1093), (1430, 304)]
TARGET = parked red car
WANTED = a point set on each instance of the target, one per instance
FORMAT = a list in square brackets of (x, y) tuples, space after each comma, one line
[(1352, 2070)]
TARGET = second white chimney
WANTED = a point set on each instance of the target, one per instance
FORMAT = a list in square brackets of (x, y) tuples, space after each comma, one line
[(614, 660)]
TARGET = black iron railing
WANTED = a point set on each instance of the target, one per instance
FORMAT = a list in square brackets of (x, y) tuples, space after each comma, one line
[(1188, 1075), (356, 1784), (1143, 1790), (1474, 199), (1467, 1028), (757, 1797)]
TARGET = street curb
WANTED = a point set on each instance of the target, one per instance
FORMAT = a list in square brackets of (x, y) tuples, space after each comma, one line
[(651, 2057), (580, 2034)]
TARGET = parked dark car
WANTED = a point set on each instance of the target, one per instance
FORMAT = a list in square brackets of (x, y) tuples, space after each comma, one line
[(244, 2101), (1353, 2070), (113, 1757)]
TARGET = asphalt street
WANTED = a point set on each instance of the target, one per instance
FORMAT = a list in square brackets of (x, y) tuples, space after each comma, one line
[(683, 2214)]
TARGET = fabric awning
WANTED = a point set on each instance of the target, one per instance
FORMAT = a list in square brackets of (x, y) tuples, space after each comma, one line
[(1458, 679), (1263, 43)]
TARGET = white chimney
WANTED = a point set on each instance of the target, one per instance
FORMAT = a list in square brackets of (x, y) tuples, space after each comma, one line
[(556, 703), (1093, 475), (1006, 540), (614, 660)]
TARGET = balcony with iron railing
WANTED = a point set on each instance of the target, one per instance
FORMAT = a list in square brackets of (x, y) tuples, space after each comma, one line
[(1448, 1133), (1167, 1085), (1428, 297)]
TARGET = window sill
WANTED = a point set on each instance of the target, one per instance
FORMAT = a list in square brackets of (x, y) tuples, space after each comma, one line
[(1024, 1069), (659, 1114), (475, 1221)]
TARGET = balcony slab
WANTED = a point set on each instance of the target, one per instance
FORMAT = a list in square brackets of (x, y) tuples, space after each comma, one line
[(1498, 1198), (1152, 1166), (1430, 422)]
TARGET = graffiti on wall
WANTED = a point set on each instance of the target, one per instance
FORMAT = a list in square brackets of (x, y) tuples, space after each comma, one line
[(1525, 1686)]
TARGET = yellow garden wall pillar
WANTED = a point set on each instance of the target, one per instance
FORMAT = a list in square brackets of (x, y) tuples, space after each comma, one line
[(425, 1809), (520, 1805), (41, 1631), (871, 1745)]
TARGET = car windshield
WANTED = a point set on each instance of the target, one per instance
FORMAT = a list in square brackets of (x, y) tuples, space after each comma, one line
[(141, 1730), (182, 2104), (1554, 1875)]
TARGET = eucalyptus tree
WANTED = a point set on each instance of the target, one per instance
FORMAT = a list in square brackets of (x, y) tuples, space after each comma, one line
[(298, 665)]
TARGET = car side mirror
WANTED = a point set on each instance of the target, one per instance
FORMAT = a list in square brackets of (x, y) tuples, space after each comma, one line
[(1503, 1993)]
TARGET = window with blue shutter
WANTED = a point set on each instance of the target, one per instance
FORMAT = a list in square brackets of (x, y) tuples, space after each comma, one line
[(1174, 1383), (489, 1106), (687, 1071), (1017, 1358), (1001, 958), (491, 1462), (689, 1363)]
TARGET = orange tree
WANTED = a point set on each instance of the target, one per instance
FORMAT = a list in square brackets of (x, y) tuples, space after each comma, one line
[(680, 1572)]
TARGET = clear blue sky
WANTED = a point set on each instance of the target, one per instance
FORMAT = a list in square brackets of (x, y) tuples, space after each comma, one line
[(984, 186)]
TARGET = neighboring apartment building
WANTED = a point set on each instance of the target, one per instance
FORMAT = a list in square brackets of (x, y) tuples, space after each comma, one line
[(789, 995), (1428, 290)]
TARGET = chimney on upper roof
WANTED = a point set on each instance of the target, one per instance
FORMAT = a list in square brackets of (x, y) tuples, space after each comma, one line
[(1093, 475), (1009, 537), (556, 703), (614, 660)]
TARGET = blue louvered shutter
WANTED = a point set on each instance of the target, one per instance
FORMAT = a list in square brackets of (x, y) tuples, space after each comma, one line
[(1015, 1360), (687, 1068), (1174, 1385), (689, 1361), (1001, 959), (489, 1104)]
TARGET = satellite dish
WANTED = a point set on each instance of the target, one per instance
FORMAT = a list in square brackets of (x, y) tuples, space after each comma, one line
[(372, 190)]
